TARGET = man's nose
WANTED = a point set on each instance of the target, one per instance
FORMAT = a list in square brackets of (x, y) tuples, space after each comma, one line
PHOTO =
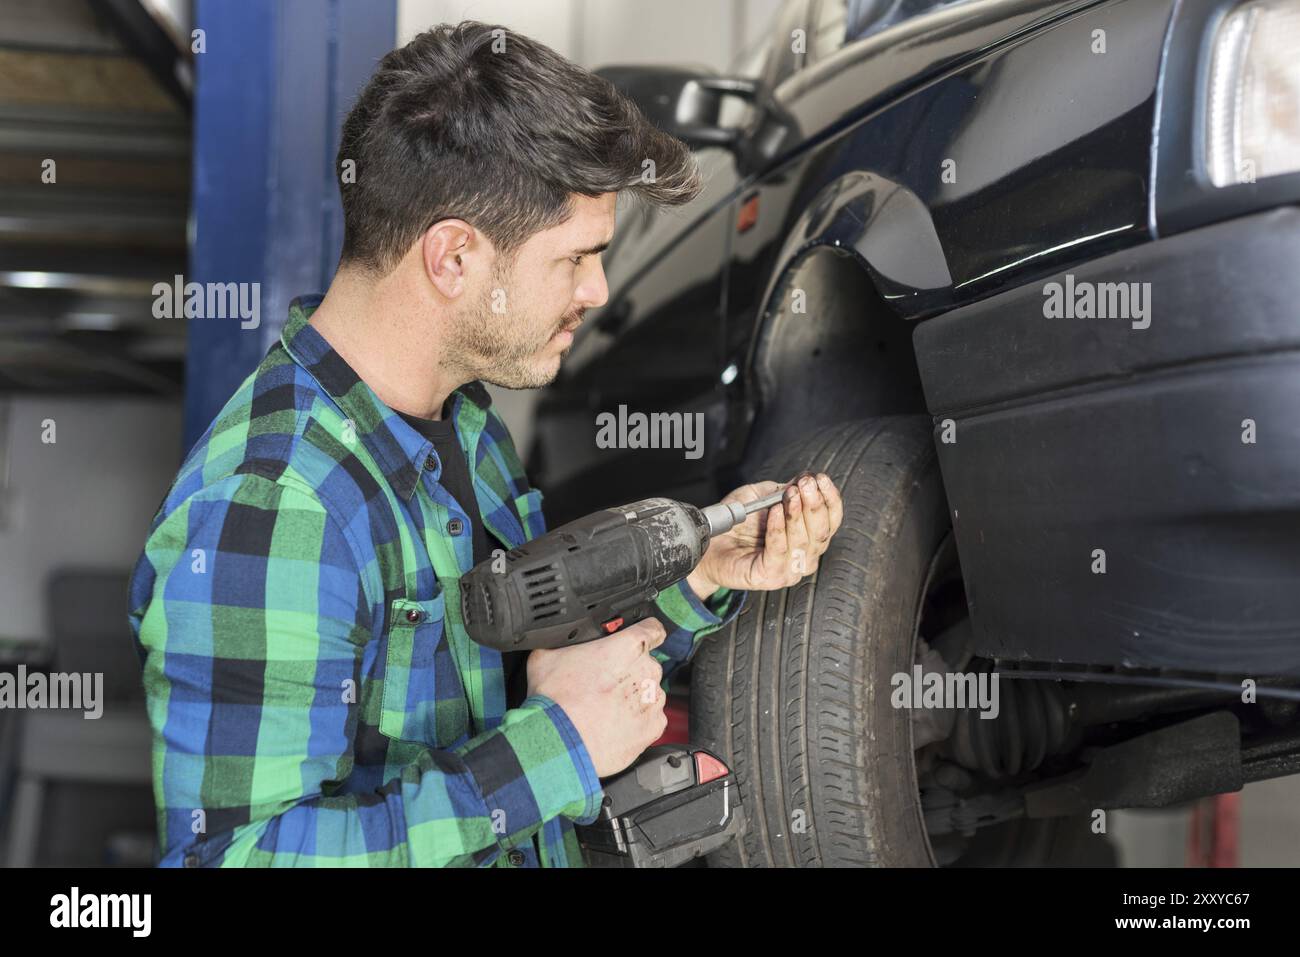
[(593, 290)]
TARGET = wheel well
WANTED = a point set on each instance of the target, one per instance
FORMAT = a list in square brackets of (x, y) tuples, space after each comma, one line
[(828, 349)]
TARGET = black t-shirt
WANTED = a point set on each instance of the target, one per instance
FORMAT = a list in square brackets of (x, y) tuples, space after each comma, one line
[(455, 479)]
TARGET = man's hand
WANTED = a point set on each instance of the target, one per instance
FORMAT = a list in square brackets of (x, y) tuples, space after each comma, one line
[(610, 690), (774, 548)]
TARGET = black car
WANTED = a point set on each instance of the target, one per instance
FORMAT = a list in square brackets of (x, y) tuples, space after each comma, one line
[(1023, 276)]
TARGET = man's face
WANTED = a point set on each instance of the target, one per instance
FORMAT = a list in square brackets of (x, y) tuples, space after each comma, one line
[(521, 324)]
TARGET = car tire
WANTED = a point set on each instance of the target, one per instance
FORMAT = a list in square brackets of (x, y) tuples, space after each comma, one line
[(794, 695)]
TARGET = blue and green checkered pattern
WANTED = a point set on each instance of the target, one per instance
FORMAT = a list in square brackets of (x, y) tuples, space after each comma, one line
[(314, 696)]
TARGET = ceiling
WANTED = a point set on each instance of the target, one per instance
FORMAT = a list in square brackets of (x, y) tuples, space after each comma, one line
[(94, 194)]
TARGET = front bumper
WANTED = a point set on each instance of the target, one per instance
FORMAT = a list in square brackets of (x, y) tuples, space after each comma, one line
[(1129, 496)]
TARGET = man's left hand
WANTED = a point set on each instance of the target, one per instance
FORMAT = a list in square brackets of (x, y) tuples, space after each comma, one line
[(774, 548)]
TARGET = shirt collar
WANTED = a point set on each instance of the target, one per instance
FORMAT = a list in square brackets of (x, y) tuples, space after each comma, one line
[(400, 450)]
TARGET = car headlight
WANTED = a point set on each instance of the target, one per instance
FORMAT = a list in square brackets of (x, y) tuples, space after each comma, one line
[(1253, 104)]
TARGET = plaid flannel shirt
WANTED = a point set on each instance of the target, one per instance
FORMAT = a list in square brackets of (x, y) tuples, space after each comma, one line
[(314, 696)]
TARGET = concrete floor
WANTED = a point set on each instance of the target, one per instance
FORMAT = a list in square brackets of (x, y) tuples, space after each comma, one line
[(1268, 829)]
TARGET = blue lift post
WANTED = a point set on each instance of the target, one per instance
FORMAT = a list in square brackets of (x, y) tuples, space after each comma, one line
[(272, 85)]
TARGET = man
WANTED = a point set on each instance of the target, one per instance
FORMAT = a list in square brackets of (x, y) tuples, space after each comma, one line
[(314, 695)]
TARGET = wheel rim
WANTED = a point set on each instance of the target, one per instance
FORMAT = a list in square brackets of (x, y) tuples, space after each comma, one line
[(941, 604)]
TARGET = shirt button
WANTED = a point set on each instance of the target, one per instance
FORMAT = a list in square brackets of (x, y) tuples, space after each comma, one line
[(455, 527), (516, 857), (431, 462), (414, 616), (191, 860)]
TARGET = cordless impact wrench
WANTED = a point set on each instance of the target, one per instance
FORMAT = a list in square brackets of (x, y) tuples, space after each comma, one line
[(588, 579)]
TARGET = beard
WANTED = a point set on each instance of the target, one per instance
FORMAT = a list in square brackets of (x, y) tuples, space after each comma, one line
[(502, 350)]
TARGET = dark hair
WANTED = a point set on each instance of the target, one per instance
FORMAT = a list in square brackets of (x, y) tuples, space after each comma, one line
[(475, 122)]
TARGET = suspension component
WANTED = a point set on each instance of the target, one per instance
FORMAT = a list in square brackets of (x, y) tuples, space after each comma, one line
[(1033, 722), (1041, 718)]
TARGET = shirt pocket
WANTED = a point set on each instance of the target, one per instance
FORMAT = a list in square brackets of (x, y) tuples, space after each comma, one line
[(423, 699)]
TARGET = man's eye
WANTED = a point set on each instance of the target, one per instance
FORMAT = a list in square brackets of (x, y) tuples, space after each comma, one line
[(576, 260)]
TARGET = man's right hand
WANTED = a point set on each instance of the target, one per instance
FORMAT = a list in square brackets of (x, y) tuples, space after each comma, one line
[(610, 690)]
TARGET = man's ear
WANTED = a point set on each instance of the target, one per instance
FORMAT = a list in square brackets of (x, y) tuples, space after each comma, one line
[(445, 249)]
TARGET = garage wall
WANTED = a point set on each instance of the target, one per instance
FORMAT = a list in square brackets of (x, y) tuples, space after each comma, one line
[(599, 32), (85, 500)]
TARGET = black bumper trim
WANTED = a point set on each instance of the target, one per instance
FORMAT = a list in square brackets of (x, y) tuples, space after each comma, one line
[(1174, 451)]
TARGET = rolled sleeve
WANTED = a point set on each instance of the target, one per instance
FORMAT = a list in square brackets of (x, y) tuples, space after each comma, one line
[(687, 619)]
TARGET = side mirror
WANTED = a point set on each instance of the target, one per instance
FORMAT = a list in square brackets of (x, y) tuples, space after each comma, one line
[(684, 102)]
